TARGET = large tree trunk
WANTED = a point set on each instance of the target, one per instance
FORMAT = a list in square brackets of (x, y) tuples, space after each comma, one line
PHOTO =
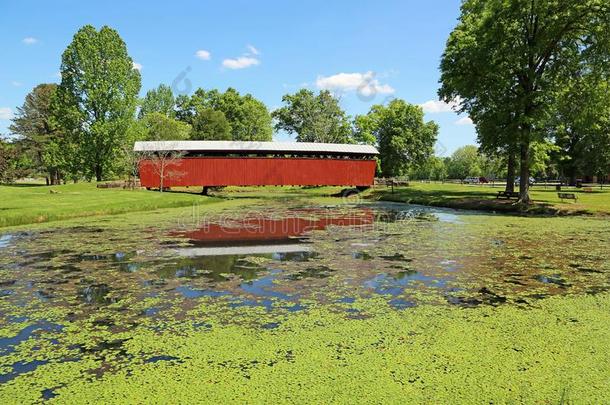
[(510, 170), (524, 181), (572, 181), (98, 172)]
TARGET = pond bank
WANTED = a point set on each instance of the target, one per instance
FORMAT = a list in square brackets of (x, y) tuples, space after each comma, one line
[(476, 202)]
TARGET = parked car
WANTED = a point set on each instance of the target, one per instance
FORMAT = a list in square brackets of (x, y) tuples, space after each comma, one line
[(483, 180), (471, 180), (532, 181)]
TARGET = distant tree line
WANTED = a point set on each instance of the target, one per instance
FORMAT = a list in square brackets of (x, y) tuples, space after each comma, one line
[(466, 161)]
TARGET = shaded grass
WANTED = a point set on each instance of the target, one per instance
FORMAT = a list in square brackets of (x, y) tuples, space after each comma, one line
[(545, 200)]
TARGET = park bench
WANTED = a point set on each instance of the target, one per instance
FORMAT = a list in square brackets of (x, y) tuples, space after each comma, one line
[(567, 196), (507, 195)]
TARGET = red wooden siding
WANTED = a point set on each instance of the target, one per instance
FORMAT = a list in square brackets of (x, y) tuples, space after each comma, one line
[(259, 171)]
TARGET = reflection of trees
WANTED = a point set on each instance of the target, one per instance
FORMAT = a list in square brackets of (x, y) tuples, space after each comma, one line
[(211, 268)]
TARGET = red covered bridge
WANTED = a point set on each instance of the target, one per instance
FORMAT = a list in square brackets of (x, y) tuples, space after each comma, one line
[(235, 163)]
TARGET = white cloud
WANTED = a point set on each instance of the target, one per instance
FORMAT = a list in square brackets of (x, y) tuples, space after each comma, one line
[(203, 54), (16, 83), (437, 106), (252, 50), (464, 121), (240, 63), (364, 83), (137, 66), (6, 113), (247, 59), (29, 40)]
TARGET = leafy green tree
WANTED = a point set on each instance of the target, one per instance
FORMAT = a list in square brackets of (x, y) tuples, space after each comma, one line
[(34, 125), (210, 125), (160, 127), (465, 162), (492, 166), (160, 100), (403, 138), (510, 55), (581, 125), (434, 168), (8, 156), (255, 123), (313, 118), (248, 118), (97, 97), (363, 130)]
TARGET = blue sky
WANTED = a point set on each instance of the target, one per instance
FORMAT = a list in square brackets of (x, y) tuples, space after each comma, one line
[(364, 51)]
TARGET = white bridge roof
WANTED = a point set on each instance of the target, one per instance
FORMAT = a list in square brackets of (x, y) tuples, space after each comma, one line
[(245, 146)]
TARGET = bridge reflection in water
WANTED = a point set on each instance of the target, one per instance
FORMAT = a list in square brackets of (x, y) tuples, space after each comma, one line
[(261, 235)]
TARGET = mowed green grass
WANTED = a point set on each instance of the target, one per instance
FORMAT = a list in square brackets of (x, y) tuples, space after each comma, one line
[(26, 203), (468, 196)]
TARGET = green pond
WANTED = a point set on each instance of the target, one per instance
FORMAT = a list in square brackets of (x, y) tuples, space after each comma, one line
[(376, 302)]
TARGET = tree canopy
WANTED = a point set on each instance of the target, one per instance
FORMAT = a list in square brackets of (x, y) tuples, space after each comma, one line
[(160, 127), (97, 97), (403, 138), (160, 100), (313, 118), (210, 125), (34, 125), (248, 118)]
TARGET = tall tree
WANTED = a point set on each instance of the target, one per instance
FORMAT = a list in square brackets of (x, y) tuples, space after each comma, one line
[(160, 100), (403, 138), (511, 54), (313, 118), (97, 97), (34, 125)]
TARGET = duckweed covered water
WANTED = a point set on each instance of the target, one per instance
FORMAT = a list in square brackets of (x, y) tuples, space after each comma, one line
[(371, 303)]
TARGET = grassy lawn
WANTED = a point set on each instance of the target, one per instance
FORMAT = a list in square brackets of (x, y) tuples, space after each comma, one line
[(484, 197), (26, 203)]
